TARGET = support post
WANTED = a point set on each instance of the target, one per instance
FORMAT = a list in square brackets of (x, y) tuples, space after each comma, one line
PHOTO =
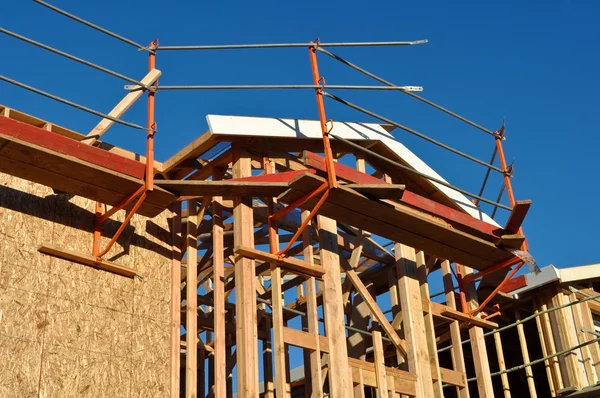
[(458, 359), (245, 285), (220, 354), (316, 382), (429, 326), (340, 380), (502, 365), (191, 326), (175, 297), (382, 388), (413, 322), (525, 353), (480, 357)]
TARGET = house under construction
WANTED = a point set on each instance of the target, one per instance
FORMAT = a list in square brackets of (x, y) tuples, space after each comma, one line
[(271, 257)]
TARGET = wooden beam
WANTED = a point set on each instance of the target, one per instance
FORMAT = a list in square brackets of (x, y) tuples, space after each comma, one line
[(220, 355), (517, 216), (413, 323), (191, 326), (177, 255), (225, 188), (288, 263), (194, 149), (62, 163), (88, 260), (340, 381), (92, 137), (245, 289)]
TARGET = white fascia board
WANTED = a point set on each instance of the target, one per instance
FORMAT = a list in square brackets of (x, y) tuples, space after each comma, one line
[(579, 273), (311, 129)]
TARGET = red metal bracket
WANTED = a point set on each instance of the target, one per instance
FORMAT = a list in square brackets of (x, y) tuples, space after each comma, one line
[(141, 193)]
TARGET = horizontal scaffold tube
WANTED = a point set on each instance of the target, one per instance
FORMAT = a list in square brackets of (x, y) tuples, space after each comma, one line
[(379, 79), (70, 103), (93, 26), (292, 45)]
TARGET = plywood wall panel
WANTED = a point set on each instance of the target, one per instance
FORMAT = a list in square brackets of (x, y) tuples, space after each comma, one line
[(68, 330)]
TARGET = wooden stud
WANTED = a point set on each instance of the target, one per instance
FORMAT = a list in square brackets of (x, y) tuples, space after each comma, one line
[(340, 381), (191, 379), (245, 286), (220, 355), (502, 365), (582, 338), (547, 327), (525, 353), (175, 298), (413, 322), (566, 339), (544, 345), (588, 323), (429, 325), (480, 357), (382, 388), (312, 315)]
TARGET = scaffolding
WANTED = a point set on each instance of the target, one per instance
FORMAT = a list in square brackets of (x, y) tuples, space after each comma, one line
[(339, 222)]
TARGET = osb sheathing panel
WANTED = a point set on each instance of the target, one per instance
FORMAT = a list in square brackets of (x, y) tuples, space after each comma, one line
[(68, 330)]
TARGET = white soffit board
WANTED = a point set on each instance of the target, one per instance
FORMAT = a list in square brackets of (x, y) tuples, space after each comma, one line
[(311, 129)]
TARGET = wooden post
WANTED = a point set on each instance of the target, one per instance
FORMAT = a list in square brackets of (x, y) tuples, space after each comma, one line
[(176, 298), (382, 388), (340, 381), (458, 359), (245, 286), (525, 353), (413, 322), (191, 328), (588, 323), (567, 340), (480, 357), (544, 345), (547, 326), (312, 316), (429, 326), (502, 365), (220, 354), (582, 338), (281, 390)]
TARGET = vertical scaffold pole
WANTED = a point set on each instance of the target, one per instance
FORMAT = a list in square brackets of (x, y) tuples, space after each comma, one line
[(320, 81)]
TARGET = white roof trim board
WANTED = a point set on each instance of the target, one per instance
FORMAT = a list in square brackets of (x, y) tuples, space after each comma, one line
[(311, 129)]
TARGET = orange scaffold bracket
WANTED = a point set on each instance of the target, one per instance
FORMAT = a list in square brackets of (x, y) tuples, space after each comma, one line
[(326, 187), (141, 193)]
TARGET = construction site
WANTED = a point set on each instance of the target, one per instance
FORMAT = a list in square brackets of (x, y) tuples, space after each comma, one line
[(273, 257)]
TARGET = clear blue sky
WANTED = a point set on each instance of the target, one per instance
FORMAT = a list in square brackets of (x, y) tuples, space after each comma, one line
[(536, 64)]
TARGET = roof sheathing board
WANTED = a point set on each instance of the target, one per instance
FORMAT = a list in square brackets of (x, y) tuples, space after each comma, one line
[(244, 126)]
